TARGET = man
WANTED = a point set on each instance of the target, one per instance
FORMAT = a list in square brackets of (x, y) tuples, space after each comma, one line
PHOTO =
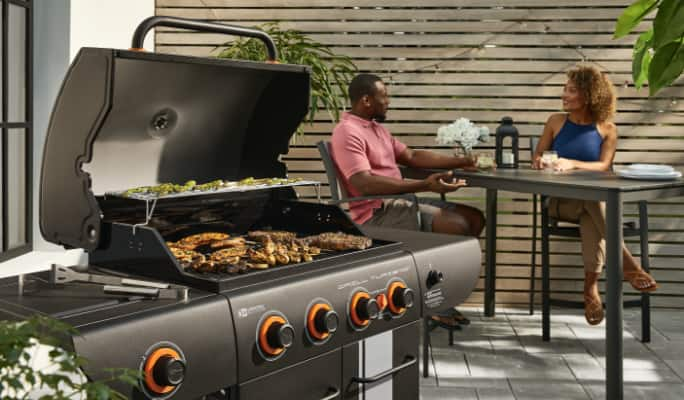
[(367, 156)]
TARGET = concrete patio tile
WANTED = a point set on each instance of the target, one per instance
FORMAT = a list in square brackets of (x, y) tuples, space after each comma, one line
[(554, 346), (495, 394), (640, 391), (677, 367), (534, 389), (516, 364), (449, 365), (475, 382), (670, 349), (444, 393)]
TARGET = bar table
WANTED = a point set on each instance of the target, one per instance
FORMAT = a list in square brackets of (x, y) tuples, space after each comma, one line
[(585, 185)]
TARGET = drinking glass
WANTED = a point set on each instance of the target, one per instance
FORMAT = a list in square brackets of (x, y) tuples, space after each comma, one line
[(549, 157)]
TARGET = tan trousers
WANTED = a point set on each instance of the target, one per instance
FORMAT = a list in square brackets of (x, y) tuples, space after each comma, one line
[(591, 217)]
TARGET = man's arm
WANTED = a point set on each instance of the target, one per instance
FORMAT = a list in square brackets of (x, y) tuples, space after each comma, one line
[(369, 184), (430, 159)]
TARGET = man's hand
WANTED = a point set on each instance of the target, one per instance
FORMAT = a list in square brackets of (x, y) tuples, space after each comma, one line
[(444, 182), (468, 163)]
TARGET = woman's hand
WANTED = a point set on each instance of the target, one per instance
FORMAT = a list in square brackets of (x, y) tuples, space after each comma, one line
[(537, 162), (564, 164)]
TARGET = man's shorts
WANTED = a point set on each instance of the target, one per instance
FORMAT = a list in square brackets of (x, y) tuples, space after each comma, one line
[(405, 214)]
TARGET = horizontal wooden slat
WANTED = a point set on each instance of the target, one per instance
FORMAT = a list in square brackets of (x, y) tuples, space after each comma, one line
[(388, 14), (388, 3), (557, 27), (477, 39)]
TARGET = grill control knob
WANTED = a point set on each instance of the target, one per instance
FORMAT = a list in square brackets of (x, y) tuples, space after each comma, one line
[(164, 370), (322, 321), (169, 371), (400, 297), (275, 335), (362, 309), (434, 277)]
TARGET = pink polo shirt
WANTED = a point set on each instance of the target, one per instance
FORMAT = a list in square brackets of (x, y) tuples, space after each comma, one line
[(361, 145)]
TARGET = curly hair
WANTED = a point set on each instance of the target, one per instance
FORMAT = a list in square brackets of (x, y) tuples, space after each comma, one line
[(596, 89)]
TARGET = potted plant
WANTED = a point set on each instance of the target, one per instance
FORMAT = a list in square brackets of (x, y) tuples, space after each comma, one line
[(34, 364), (330, 73)]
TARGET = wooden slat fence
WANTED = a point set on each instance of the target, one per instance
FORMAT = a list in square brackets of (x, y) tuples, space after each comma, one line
[(480, 59)]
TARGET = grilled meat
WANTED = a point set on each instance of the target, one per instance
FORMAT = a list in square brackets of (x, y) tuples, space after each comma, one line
[(193, 241), (228, 252), (339, 241), (230, 242), (276, 236)]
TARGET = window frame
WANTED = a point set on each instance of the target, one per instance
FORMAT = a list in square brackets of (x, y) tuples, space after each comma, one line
[(26, 126)]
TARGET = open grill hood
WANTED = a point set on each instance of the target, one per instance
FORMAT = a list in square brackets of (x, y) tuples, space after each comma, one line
[(126, 118)]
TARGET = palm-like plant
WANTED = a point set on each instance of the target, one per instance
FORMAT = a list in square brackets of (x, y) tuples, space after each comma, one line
[(330, 73)]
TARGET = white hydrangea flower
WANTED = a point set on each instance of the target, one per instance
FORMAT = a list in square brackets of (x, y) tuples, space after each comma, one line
[(462, 132)]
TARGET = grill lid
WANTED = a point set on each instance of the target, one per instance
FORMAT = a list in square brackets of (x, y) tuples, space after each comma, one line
[(126, 118)]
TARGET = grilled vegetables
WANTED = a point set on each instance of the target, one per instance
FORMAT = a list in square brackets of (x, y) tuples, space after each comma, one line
[(164, 189), (218, 252)]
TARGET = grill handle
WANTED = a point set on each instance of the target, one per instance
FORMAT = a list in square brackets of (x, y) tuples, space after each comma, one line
[(409, 360), (172, 22), (333, 393)]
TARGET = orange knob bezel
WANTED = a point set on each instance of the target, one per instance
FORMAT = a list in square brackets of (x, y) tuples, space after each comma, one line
[(311, 321), (390, 294), (352, 308), (149, 366), (263, 331)]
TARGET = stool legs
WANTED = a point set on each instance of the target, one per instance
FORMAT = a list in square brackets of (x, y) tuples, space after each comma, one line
[(546, 323), (645, 297)]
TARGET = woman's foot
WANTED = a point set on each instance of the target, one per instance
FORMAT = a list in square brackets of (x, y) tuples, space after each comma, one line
[(641, 280), (593, 306)]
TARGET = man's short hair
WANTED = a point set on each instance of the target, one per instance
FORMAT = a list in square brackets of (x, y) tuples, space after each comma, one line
[(361, 85)]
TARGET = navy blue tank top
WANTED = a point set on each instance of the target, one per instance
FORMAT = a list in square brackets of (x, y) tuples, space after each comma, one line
[(578, 142)]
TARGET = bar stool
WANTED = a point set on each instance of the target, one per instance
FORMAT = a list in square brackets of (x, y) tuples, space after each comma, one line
[(551, 226)]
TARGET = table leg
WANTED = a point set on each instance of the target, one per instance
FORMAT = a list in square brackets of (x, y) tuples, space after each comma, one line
[(490, 267), (614, 378)]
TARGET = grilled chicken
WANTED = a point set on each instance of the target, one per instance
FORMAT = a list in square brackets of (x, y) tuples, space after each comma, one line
[(200, 239)]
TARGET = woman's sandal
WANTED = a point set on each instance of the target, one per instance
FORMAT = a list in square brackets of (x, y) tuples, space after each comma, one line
[(593, 310), (641, 280)]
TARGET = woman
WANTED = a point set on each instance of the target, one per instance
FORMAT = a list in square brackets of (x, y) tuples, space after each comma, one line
[(585, 138)]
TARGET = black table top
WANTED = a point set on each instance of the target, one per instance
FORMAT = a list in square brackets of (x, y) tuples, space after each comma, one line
[(574, 184)]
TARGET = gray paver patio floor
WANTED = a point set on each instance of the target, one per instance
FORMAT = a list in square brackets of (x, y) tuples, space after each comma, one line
[(504, 358)]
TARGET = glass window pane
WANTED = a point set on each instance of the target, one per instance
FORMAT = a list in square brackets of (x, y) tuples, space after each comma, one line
[(16, 188), (2, 222), (2, 97), (16, 50)]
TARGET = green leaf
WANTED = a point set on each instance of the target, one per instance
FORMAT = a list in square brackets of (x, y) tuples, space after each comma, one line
[(632, 16), (666, 66), (641, 58), (669, 23)]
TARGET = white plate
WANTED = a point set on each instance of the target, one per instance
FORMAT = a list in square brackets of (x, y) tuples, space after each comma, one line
[(650, 168), (652, 176)]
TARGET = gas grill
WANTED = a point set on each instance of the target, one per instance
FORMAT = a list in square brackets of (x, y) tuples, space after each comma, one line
[(342, 326)]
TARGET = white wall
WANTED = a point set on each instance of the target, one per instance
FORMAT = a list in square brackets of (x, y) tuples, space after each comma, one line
[(61, 28), (108, 23)]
